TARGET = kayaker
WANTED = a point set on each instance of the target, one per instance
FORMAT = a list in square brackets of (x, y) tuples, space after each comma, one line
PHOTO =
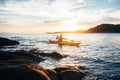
[(60, 38)]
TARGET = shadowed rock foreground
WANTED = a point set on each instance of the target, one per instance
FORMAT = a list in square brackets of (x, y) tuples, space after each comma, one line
[(23, 65), (5, 42)]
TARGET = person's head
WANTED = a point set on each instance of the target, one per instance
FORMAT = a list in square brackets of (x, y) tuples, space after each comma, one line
[(60, 35)]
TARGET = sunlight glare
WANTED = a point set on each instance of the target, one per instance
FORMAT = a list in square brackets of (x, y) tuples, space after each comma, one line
[(69, 25), (70, 36), (69, 28)]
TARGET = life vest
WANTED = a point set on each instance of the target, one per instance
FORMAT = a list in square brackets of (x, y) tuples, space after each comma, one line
[(60, 39)]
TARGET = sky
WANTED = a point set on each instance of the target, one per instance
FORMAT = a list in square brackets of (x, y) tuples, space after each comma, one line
[(39, 16)]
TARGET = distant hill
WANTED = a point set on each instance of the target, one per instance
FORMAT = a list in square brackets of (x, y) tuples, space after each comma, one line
[(104, 28)]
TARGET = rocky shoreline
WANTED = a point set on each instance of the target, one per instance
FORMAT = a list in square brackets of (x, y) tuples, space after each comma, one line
[(5, 42), (23, 65)]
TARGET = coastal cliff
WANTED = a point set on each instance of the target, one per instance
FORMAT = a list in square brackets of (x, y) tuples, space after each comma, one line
[(104, 28)]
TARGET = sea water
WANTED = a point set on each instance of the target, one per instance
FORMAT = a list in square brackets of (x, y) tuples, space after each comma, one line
[(98, 54)]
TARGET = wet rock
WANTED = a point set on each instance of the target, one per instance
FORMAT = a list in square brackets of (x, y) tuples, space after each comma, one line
[(54, 55), (14, 62), (5, 42), (52, 74), (66, 67), (22, 65), (28, 55), (34, 51), (4, 55), (82, 67), (23, 55), (69, 73), (22, 72)]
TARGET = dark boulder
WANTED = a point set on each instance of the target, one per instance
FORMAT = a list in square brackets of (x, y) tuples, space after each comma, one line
[(22, 72), (69, 73), (22, 65), (28, 55), (5, 55), (20, 55), (5, 42), (66, 67), (54, 55), (52, 74)]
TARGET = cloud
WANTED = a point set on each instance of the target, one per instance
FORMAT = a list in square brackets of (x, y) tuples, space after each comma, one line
[(47, 8), (41, 14), (3, 23), (52, 23), (111, 19), (93, 18), (111, 1)]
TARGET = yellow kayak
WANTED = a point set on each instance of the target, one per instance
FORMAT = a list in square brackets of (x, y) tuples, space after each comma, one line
[(69, 43)]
